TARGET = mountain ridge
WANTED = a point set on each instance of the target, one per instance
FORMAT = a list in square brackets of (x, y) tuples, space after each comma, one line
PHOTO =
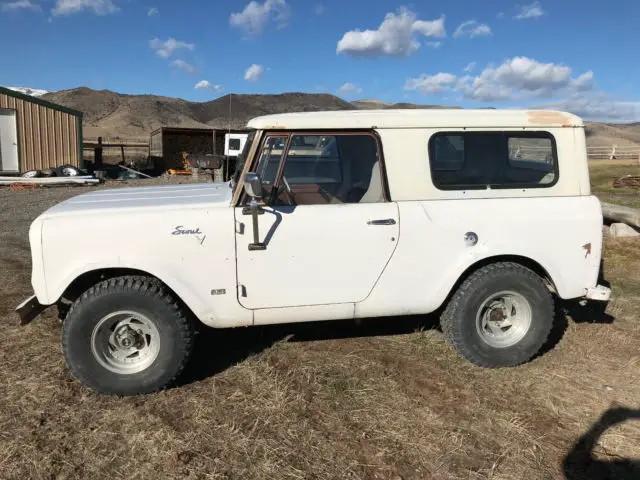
[(113, 114)]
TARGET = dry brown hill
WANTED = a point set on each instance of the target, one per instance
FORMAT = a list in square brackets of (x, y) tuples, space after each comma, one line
[(623, 135), (377, 104), (113, 114)]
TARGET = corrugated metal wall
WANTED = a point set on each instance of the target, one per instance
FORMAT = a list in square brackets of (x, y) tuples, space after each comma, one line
[(46, 137)]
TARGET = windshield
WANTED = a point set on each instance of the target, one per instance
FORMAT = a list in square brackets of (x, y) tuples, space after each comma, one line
[(242, 158)]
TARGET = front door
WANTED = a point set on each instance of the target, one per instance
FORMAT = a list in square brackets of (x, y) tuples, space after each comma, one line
[(328, 228), (8, 141)]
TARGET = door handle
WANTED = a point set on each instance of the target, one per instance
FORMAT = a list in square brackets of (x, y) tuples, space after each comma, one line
[(384, 221)]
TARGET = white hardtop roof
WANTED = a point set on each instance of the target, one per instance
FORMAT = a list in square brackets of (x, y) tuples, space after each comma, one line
[(416, 118)]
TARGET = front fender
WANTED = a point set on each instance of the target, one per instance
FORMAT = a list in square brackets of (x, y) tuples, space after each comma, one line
[(59, 281)]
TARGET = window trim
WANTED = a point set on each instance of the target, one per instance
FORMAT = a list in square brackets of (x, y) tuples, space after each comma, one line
[(290, 133), (507, 133)]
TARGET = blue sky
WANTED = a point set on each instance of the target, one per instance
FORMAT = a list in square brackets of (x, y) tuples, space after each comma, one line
[(580, 56)]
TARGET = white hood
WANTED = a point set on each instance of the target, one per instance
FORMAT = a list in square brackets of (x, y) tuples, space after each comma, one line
[(153, 197)]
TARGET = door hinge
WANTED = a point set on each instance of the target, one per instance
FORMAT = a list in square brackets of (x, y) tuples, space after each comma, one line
[(247, 211)]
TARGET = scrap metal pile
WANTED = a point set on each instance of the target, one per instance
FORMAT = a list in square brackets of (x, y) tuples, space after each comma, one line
[(64, 175)]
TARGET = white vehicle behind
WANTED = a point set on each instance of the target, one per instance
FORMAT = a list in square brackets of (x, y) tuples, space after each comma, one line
[(234, 143)]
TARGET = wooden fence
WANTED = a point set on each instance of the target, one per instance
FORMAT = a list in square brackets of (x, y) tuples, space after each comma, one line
[(612, 152), (116, 150)]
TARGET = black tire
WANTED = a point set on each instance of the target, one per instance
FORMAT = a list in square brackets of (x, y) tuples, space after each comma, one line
[(146, 297), (460, 320)]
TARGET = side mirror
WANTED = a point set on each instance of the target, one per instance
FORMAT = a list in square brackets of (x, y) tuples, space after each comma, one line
[(253, 185)]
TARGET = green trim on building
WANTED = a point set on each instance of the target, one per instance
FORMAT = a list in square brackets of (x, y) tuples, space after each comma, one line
[(41, 102)]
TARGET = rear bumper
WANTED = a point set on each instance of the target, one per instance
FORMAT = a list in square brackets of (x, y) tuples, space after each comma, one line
[(599, 292), (29, 309)]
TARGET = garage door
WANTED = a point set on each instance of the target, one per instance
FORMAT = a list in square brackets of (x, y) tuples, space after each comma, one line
[(8, 141)]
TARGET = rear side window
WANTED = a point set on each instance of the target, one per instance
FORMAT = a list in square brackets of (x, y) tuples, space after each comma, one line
[(480, 160)]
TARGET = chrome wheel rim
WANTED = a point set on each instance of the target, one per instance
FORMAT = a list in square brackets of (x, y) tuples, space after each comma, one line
[(125, 342), (503, 319)]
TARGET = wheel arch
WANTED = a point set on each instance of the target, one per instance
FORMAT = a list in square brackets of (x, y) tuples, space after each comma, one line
[(86, 280), (527, 262)]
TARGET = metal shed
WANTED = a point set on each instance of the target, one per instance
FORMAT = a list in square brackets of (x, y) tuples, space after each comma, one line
[(168, 143), (37, 134)]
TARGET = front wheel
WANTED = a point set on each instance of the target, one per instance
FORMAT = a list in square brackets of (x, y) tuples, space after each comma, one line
[(126, 336), (500, 316)]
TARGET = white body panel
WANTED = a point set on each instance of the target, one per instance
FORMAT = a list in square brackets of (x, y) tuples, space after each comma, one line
[(417, 118), (135, 228), (432, 254), (315, 254), (8, 141), (325, 261)]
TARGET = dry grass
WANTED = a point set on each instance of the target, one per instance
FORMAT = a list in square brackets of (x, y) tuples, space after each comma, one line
[(602, 175), (384, 399)]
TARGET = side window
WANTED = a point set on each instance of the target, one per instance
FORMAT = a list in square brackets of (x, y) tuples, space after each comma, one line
[(269, 160), (313, 160), (330, 169), (480, 160), (448, 152)]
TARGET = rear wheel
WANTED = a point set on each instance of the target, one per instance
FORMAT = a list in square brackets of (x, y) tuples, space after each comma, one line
[(126, 336), (500, 316)]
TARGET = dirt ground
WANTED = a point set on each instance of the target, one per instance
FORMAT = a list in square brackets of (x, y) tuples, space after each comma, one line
[(385, 399)]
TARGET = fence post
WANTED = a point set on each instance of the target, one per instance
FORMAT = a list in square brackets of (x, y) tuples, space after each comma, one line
[(97, 153)]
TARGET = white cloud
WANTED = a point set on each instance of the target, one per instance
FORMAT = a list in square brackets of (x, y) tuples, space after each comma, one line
[(255, 16), (469, 68), (165, 49), (431, 28), (21, 5), (349, 89), (99, 7), (182, 65), (435, 45), (598, 108), (254, 73), (518, 77), (584, 82), (471, 29), (152, 12), (206, 85), (319, 9), (430, 84), (533, 10), (394, 37)]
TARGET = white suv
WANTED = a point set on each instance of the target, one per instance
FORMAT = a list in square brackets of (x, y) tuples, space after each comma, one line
[(483, 215)]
